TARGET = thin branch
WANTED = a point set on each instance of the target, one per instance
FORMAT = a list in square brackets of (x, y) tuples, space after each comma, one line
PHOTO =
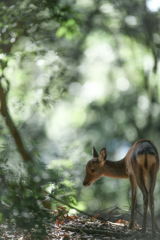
[(67, 204), (139, 213), (8, 86)]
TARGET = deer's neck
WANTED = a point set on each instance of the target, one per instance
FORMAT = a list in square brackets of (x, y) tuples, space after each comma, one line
[(115, 169)]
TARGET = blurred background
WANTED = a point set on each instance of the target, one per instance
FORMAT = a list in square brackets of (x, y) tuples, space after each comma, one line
[(82, 73)]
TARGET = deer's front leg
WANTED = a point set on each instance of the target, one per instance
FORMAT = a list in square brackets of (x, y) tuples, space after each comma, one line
[(134, 193)]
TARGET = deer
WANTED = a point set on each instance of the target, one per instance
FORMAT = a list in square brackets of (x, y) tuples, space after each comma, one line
[(140, 166)]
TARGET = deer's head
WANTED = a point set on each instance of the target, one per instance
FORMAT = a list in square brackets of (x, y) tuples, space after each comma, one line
[(94, 168)]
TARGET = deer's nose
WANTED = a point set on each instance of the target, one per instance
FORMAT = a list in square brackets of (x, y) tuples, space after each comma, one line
[(86, 184)]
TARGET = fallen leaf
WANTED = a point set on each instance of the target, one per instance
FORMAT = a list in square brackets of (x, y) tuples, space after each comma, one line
[(65, 235), (95, 216), (119, 221), (72, 217)]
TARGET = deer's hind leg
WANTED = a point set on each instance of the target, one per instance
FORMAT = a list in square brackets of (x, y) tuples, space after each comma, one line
[(141, 185), (151, 198), (134, 193)]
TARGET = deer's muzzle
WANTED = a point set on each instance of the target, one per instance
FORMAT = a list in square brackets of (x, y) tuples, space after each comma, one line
[(86, 184)]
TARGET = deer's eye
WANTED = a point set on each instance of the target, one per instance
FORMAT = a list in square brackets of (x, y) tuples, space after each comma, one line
[(92, 170)]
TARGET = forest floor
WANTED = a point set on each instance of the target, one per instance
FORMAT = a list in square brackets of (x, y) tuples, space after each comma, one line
[(74, 227)]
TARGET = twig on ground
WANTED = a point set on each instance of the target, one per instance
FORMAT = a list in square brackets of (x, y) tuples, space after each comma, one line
[(96, 231)]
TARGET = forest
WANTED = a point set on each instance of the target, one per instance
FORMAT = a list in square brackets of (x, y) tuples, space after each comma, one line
[(74, 74)]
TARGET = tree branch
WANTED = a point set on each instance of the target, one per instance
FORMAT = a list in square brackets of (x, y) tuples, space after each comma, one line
[(10, 124), (67, 204)]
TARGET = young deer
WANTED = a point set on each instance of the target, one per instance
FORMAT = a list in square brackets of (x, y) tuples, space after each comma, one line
[(140, 165)]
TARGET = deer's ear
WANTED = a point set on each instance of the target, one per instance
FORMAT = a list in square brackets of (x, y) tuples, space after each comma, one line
[(102, 155), (94, 153)]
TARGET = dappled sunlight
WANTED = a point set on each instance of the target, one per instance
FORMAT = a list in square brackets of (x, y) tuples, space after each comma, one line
[(143, 103), (131, 20), (131, 133), (75, 88), (100, 52), (148, 63), (141, 119), (153, 5), (93, 91), (123, 84), (107, 8), (65, 120), (42, 79)]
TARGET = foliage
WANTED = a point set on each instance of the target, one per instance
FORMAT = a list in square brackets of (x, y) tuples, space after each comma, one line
[(79, 74)]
